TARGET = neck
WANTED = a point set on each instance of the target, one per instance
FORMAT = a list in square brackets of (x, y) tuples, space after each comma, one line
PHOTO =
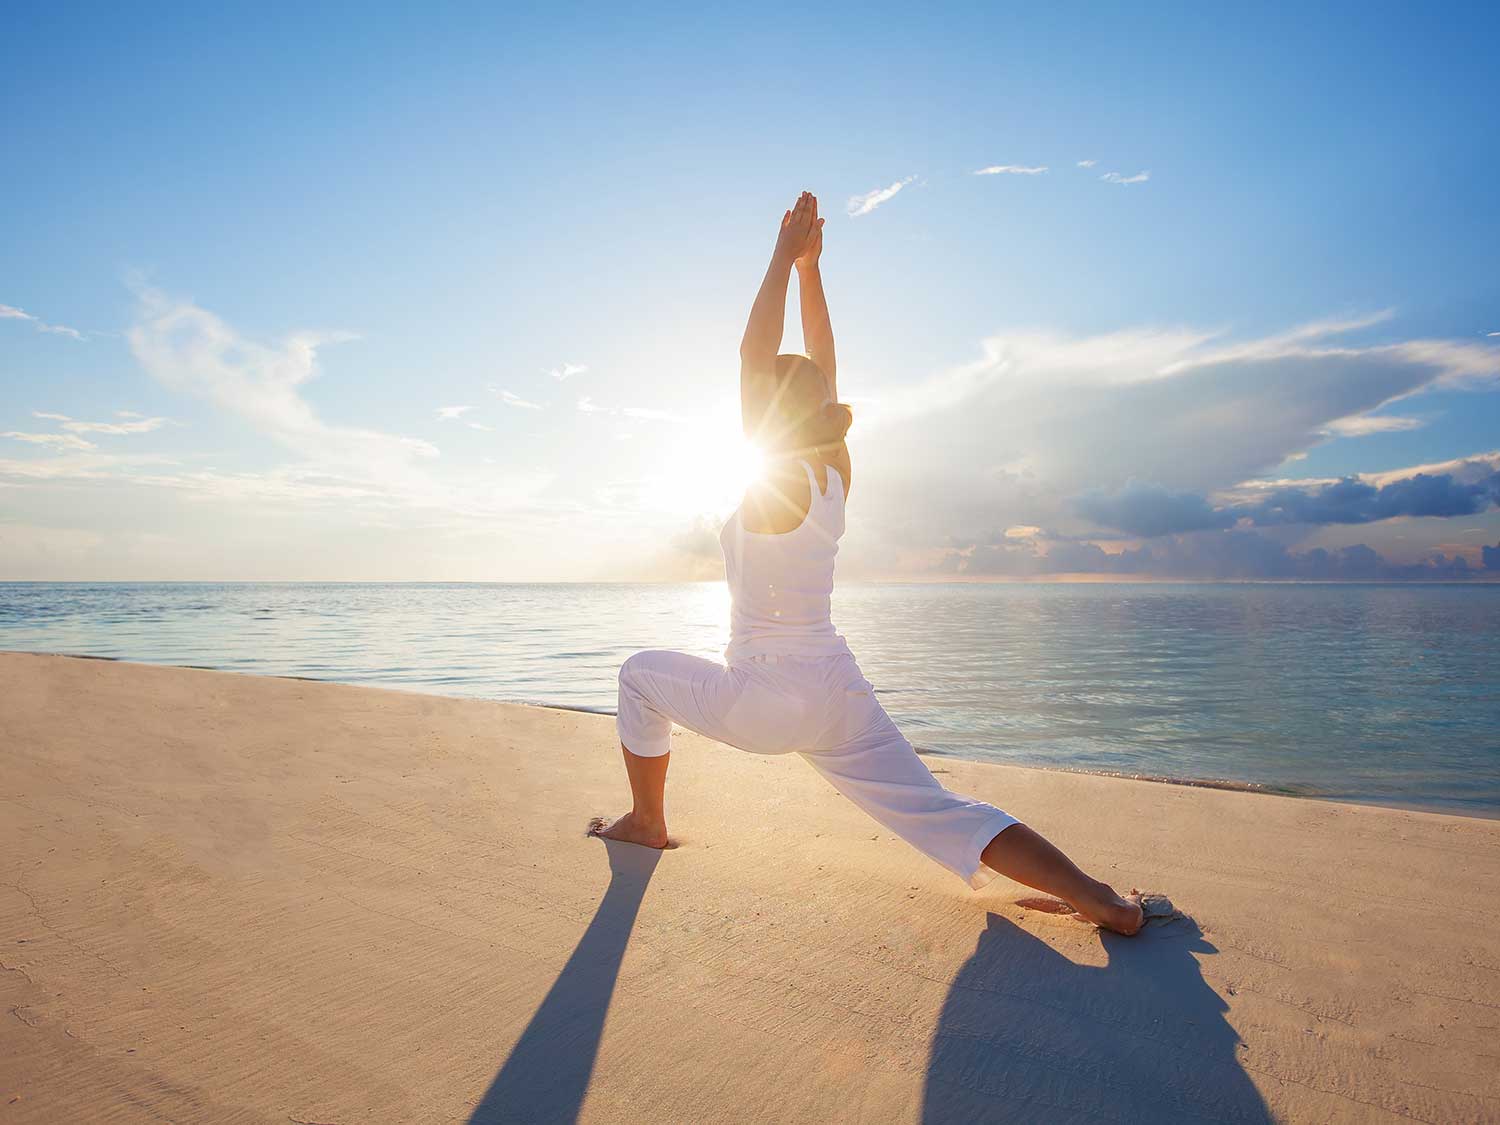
[(799, 453)]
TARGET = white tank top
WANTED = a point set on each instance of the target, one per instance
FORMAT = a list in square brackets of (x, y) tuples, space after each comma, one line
[(781, 586)]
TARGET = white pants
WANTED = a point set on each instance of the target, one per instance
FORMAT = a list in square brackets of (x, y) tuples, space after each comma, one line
[(824, 709)]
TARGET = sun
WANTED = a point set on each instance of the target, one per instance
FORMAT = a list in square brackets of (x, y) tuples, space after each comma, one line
[(705, 472)]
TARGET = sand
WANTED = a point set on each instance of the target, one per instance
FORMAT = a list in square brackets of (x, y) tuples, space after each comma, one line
[(228, 898)]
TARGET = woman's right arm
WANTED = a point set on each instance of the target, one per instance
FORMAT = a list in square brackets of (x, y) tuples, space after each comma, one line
[(762, 340)]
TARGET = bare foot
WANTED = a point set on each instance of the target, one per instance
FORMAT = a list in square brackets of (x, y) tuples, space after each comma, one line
[(1109, 911), (631, 830), (1104, 908)]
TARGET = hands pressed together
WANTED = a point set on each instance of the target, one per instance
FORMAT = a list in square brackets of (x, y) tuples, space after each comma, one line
[(800, 239)]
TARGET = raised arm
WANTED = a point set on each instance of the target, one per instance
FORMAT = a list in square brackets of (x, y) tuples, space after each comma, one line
[(817, 329), (762, 340)]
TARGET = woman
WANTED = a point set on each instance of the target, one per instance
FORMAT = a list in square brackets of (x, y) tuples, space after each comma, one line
[(790, 682)]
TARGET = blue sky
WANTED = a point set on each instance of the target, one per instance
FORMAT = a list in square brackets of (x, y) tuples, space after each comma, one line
[(251, 253)]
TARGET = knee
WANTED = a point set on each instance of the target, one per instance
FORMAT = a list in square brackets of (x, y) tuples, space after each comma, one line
[(633, 668)]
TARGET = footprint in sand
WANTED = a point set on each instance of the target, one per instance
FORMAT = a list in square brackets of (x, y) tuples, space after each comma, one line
[(1155, 907)]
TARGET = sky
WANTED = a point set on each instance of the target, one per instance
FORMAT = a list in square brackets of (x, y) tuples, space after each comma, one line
[(454, 292)]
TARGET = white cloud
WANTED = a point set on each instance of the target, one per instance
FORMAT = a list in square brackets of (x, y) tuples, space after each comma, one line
[(128, 414), (1009, 438), (59, 330), (141, 426), (10, 312), (863, 204), (1492, 333), (1010, 170), (449, 413), (1117, 178), (587, 405), (76, 465), (186, 348), (567, 371), (479, 426), (515, 400), (59, 442), (1087, 163), (1359, 425)]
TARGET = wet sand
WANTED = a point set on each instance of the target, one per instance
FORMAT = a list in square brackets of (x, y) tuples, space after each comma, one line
[(231, 898)]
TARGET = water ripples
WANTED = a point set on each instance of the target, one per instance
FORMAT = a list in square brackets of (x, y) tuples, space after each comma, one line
[(1369, 693)]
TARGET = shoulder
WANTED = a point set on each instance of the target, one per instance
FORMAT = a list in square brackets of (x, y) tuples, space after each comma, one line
[(838, 460), (778, 502)]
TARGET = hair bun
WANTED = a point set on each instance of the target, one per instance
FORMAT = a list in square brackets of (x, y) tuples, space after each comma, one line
[(839, 418)]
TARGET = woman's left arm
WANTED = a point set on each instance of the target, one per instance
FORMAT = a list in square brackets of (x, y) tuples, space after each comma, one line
[(817, 328)]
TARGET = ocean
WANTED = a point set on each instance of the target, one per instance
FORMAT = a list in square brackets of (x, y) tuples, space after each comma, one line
[(1383, 694)]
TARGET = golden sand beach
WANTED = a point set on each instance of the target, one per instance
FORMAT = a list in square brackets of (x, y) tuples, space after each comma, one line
[(228, 898)]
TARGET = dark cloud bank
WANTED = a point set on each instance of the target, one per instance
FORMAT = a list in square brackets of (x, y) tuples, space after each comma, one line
[(1189, 537), (1149, 510), (1230, 554)]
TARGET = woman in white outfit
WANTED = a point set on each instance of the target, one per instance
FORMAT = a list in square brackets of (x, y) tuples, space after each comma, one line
[(790, 683)]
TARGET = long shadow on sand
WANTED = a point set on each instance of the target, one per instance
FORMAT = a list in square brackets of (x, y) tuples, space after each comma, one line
[(1026, 1034), (547, 1073)]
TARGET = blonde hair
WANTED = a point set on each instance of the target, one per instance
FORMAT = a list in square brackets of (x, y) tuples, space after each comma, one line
[(801, 407)]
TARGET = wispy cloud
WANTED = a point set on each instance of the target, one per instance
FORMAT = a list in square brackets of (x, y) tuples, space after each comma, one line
[(1359, 425), (10, 312), (1492, 333), (451, 413), (587, 405), (863, 204), (1117, 178), (142, 425), (1010, 170), (515, 400), (479, 426), (1087, 163), (567, 370), (187, 348), (59, 442)]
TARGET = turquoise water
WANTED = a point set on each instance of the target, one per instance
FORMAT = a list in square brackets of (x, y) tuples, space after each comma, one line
[(1384, 694)]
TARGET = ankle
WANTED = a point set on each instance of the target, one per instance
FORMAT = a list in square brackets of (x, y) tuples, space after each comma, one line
[(649, 820), (1103, 895)]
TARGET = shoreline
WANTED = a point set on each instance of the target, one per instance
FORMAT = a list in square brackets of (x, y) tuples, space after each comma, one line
[(1258, 788), (1479, 578)]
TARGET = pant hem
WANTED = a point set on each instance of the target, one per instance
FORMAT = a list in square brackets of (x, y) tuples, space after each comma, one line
[(645, 747), (979, 876)]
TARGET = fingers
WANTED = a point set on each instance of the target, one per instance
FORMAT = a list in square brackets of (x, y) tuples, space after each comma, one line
[(801, 220), (804, 213)]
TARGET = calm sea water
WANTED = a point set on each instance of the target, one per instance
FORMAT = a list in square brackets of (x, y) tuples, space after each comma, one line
[(1385, 694)]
